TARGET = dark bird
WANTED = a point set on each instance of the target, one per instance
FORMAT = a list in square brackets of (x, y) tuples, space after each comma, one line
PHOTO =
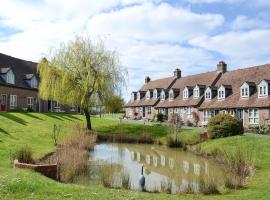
[(142, 180)]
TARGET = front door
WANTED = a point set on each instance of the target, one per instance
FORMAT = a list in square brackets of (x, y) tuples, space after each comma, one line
[(240, 114), (143, 111), (3, 102)]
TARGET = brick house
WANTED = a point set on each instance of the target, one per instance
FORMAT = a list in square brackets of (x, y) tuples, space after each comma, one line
[(243, 93), (19, 87), (143, 102)]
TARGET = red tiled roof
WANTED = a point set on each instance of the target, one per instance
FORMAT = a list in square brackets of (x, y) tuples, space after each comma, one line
[(236, 78), (163, 83)]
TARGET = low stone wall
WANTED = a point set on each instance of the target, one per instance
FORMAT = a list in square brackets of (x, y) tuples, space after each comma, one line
[(49, 170)]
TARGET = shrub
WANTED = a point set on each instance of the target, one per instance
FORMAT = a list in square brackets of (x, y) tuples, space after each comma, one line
[(174, 141), (224, 125), (189, 123), (208, 186), (160, 117), (25, 155)]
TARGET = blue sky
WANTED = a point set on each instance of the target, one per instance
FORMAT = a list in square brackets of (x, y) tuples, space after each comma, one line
[(152, 37)]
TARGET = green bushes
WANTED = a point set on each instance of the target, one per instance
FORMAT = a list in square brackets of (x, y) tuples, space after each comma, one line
[(224, 125), (160, 117)]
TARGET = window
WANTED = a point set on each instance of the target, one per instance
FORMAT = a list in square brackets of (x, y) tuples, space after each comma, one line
[(149, 110), (185, 93), (162, 95), (73, 108), (189, 112), (33, 82), (208, 94), (57, 106), (132, 96), (13, 101), (221, 93), (253, 116), (138, 96), (171, 95), (148, 95), (10, 77), (263, 89), (155, 94), (30, 102), (196, 92), (207, 114), (244, 90)]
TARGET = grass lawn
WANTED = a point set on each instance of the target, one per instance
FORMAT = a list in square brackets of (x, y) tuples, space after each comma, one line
[(33, 129)]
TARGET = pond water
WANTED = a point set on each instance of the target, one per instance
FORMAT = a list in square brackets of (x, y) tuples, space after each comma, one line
[(163, 167)]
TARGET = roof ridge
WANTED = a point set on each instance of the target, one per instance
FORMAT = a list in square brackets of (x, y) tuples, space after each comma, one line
[(248, 67), (17, 58)]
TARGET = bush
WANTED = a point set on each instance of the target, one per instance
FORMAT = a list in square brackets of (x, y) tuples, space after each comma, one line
[(25, 155), (224, 125), (160, 117)]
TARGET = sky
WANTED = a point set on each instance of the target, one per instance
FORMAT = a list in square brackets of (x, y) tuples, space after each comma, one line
[(152, 37)]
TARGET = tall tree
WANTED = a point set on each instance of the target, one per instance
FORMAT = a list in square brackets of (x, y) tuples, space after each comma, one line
[(81, 73), (114, 104)]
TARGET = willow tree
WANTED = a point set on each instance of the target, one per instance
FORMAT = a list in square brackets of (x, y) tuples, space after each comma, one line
[(81, 73)]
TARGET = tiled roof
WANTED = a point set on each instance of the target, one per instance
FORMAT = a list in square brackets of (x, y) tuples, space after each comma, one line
[(204, 79), (235, 79), (142, 102), (163, 83), (21, 68)]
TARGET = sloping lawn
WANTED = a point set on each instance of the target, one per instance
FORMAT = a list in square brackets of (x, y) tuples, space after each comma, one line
[(34, 129)]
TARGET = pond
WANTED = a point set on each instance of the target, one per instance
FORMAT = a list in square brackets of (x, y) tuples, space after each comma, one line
[(164, 168)]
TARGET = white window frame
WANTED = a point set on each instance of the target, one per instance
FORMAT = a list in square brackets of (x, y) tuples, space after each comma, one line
[(148, 94), (73, 108), (138, 96), (263, 89), (244, 90), (196, 92), (10, 77), (189, 112), (253, 116), (185, 93), (221, 93), (208, 94), (132, 96), (207, 114), (155, 94), (13, 101), (33, 82), (149, 111), (30, 101), (171, 95), (162, 95)]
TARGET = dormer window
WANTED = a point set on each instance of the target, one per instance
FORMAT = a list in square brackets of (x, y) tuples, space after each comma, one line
[(196, 92), (208, 94), (244, 90), (263, 89), (221, 93), (132, 96), (10, 77), (171, 95), (148, 95), (33, 82), (138, 96), (155, 94), (162, 95), (185, 93)]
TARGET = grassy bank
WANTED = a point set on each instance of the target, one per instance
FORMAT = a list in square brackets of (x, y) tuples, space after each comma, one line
[(18, 129)]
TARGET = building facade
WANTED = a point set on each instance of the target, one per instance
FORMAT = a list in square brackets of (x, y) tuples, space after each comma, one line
[(19, 88), (243, 93)]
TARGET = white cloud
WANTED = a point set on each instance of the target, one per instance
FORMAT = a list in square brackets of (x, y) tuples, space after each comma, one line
[(245, 23), (241, 48), (155, 23)]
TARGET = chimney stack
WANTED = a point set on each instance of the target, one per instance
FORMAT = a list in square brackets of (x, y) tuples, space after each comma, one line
[(222, 67), (147, 79), (177, 73)]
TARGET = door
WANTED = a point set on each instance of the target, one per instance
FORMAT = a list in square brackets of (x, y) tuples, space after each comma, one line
[(143, 111), (3, 102), (240, 114)]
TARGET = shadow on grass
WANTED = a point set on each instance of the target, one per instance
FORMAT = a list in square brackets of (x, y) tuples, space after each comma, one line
[(14, 118), (55, 116), (3, 131), (73, 117), (32, 116)]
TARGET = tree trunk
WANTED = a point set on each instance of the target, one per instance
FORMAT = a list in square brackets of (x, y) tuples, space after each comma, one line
[(88, 120)]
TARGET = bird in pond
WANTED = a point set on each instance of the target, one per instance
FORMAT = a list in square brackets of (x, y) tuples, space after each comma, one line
[(142, 180)]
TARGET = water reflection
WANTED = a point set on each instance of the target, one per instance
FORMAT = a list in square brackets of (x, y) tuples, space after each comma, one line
[(181, 170)]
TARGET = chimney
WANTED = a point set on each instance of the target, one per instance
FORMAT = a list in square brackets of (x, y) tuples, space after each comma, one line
[(147, 79), (177, 73), (222, 67)]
